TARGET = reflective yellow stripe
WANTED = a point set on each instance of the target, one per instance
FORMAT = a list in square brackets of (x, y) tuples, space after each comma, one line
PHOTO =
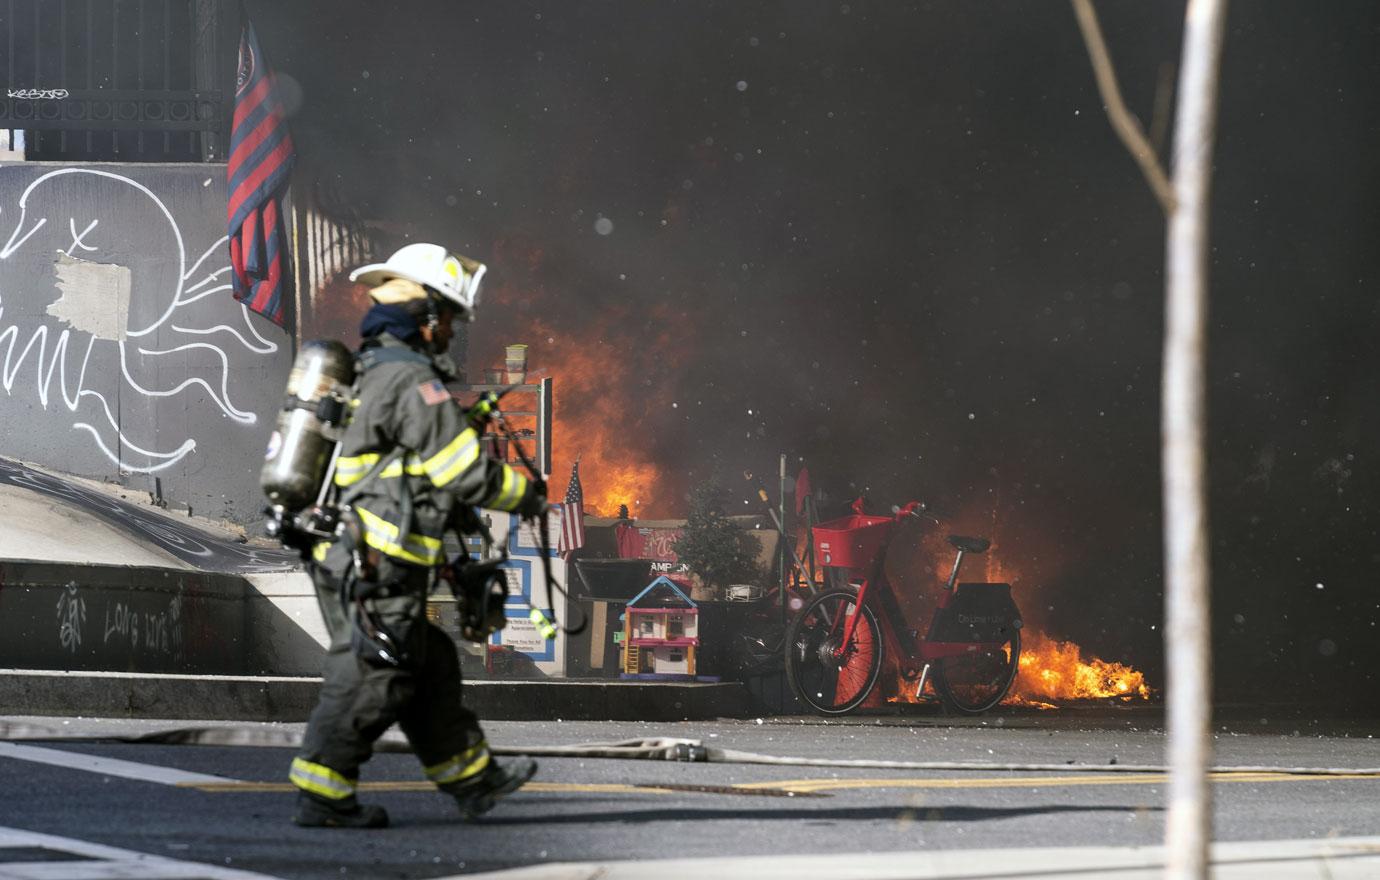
[(382, 535), (514, 487), (460, 767), (320, 779), (443, 467), (351, 469), (544, 626), (414, 468), (457, 457), (319, 551)]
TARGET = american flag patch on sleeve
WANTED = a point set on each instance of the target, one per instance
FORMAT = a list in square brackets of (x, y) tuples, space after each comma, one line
[(433, 392)]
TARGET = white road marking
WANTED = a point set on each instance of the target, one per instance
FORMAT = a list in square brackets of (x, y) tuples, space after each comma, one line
[(106, 766), (96, 862)]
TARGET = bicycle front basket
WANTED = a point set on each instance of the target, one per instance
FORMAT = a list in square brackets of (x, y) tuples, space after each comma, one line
[(851, 541)]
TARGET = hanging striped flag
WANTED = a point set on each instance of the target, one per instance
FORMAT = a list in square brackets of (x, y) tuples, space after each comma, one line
[(573, 517), (261, 158)]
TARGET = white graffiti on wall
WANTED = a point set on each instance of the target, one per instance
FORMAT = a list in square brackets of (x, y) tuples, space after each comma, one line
[(37, 94), (99, 303), (159, 633), (71, 615)]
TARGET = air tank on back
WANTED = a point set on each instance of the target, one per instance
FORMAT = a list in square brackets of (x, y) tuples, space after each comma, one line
[(316, 408)]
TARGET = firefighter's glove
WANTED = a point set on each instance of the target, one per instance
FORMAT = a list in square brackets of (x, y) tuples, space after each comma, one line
[(482, 410)]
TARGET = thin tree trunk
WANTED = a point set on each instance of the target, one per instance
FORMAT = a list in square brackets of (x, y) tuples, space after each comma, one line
[(1188, 588)]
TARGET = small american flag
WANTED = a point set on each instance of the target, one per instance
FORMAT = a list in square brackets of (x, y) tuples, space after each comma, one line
[(433, 392), (573, 517)]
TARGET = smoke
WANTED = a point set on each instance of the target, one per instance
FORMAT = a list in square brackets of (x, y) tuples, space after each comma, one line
[(901, 243)]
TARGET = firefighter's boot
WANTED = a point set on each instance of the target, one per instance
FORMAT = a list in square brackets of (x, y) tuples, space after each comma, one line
[(314, 812), (479, 796)]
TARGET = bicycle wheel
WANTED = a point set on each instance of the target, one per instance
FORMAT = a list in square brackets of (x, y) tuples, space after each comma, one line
[(830, 683), (972, 683)]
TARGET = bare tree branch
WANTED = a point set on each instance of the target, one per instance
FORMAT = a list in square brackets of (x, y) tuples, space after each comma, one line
[(1164, 106), (1123, 123)]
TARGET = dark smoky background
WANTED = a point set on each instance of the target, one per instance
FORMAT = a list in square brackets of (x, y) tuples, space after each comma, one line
[(900, 242)]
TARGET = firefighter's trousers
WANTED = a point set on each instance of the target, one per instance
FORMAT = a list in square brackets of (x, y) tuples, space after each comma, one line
[(359, 700)]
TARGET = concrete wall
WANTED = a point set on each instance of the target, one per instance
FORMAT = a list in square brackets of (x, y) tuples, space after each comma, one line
[(286, 631), (115, 618), (118, 618), (123, 355)]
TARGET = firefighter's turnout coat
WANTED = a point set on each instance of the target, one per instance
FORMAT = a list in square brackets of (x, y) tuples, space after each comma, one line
[(408, 441), (408, 460)]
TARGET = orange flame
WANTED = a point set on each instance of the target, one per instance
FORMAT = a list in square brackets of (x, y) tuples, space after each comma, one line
[(611, 373), (1055, 670)]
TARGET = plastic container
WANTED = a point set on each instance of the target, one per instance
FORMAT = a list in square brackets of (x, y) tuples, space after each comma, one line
[(851, 541), (515, 360)]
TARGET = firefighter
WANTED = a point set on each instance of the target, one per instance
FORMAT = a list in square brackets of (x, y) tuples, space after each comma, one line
[(410, 467)]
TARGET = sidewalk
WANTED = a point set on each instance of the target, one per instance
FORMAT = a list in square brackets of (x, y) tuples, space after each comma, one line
[(1350, 858)]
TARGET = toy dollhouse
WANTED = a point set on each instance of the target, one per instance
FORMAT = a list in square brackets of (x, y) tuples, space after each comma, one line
[(660, 632)]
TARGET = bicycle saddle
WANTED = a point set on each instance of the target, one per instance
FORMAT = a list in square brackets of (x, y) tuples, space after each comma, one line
[(970, 545)]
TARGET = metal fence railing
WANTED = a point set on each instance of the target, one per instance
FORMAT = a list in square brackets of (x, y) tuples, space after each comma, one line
[(118, 80)]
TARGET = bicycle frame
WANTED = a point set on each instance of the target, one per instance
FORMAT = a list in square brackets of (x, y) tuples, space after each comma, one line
[(876, 586), (972, 643)]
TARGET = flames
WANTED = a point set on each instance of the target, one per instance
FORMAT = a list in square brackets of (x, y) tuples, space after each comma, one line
[(1055, 670), (595, 420), (612, 366), (1052, 672), (599, 377)]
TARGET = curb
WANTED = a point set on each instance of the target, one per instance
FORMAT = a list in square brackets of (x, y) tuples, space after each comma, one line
[(262, 698)]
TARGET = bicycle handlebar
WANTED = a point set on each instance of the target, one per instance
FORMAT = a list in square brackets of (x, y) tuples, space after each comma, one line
[(916, 509)]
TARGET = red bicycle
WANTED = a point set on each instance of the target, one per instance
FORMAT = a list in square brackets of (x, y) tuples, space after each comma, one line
[(835, 645)]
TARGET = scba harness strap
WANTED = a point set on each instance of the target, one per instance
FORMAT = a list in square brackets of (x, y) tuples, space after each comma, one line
[(372, 356), (370, 639)]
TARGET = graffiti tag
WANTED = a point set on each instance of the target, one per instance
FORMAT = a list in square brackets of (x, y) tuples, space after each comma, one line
[(161, 632), (71, 615), (37, 94)]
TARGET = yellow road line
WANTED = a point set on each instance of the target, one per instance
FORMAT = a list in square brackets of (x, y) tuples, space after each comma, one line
[(814, 785), (806, 786), (419, 785)]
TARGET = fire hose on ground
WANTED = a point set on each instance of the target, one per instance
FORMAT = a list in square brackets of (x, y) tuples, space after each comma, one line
[(695, 751), (665, 749)]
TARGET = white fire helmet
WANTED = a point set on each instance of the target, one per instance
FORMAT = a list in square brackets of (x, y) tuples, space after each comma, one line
[(454, 277)]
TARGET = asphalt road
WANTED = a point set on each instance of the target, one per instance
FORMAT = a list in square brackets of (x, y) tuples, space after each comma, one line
[(597, 809)]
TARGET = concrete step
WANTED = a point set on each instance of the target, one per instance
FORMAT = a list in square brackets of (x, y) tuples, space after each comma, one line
[(274, 698)]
